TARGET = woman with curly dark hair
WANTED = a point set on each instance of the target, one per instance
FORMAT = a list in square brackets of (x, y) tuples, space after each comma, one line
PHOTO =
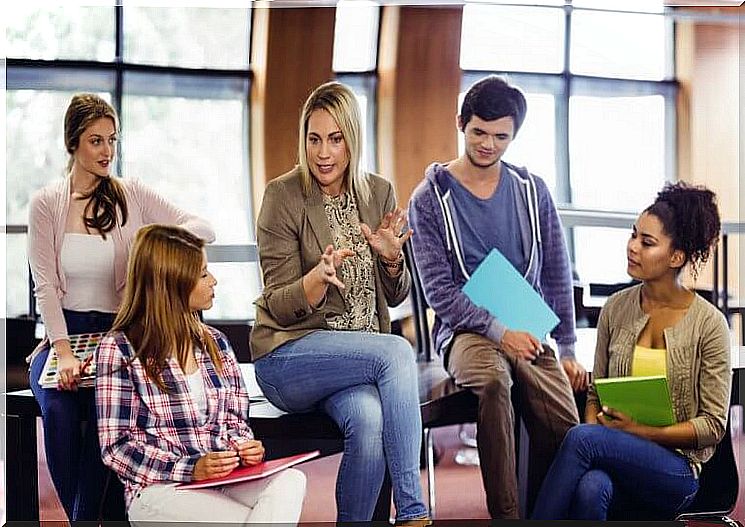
[(658, 327)]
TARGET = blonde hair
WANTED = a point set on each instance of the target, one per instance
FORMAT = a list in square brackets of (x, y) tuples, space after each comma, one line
[(339, 101), (164, 267), (108, 195)]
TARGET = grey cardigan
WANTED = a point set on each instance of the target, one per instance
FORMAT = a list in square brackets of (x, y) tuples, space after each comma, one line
[(698, 362), (292, 231)]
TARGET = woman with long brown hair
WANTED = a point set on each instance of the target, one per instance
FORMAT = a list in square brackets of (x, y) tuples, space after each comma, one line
[(80, 231), (172, 404)]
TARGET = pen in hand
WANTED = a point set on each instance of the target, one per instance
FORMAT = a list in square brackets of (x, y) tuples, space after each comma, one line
[(251, 451), (85, 367)]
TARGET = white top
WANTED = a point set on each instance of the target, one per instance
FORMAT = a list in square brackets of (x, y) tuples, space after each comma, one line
[(196, 390), (88, 265)]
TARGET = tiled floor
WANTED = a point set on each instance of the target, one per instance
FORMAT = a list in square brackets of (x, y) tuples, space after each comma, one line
[(458, 488)]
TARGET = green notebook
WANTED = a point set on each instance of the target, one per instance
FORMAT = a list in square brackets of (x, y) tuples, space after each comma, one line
[(644, 399)]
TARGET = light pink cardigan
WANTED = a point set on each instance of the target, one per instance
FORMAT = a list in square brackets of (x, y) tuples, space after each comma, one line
[(46, 229)]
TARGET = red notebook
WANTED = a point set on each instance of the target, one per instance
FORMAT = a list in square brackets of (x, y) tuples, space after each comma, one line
[(262, 470)]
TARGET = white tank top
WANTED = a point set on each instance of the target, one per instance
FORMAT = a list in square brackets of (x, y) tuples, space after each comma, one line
[(197, 393), (88, 265)]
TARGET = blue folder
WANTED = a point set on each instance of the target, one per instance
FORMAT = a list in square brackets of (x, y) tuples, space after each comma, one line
[(499, 288)]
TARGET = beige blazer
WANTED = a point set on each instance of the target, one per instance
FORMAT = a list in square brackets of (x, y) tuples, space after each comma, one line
[(292, 233)]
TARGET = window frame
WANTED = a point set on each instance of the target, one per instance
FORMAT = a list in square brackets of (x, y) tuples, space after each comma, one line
[(108, 76), (565, 84)]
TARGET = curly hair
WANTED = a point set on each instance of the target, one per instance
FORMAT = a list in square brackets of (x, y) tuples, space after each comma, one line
[(690, 216)]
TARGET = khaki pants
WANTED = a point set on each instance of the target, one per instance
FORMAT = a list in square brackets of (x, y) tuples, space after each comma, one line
[(546, 404)]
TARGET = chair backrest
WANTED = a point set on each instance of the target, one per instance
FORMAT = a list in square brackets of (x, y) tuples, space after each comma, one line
[(718, 483), (580, 314), (597, 289), (238, 333), (419, 306)]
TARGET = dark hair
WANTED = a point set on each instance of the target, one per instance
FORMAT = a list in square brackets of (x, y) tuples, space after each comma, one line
[(493, 98), (690, 216), (108, 194)]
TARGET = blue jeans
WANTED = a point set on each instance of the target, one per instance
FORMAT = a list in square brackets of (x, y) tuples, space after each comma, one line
[(597, 466), (72, 451), (367, 383)]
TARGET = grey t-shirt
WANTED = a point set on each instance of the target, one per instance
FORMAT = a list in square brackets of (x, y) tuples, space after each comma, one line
[(490, 223)]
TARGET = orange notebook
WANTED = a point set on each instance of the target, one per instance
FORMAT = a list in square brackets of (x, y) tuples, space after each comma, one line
[(262, 470)]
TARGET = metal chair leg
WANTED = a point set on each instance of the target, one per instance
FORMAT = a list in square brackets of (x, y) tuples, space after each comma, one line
[(429, 442)]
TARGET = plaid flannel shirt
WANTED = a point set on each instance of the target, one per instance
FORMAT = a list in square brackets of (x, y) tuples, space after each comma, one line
[(150, 436)]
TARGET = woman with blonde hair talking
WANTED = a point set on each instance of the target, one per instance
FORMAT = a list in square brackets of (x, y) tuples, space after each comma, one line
[(80, 231), (172, 404), (330, 238)]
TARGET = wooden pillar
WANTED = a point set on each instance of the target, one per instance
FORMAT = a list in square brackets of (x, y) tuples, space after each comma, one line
[(291, 54), (709, 140), (419, 83)]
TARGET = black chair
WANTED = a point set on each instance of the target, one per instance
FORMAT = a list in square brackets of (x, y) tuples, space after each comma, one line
[(609, 289), (419, 307), (111, 508), (718, 483)]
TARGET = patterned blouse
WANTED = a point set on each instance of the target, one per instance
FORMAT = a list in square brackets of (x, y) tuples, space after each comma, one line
[(357, 272)]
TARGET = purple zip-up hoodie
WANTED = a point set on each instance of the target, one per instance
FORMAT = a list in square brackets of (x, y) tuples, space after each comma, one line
[(438, 252)]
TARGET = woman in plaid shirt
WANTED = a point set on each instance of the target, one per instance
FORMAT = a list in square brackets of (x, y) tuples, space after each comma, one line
[(172, 405)]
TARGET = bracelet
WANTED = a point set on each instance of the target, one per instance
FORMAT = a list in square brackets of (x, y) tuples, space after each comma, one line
[(395, 264)]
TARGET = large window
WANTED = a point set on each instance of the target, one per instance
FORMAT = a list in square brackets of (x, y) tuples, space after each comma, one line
[(355, 61), (179, 78), (600, 128)]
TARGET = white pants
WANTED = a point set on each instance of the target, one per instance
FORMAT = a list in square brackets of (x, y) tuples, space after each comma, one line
[(271, 500)]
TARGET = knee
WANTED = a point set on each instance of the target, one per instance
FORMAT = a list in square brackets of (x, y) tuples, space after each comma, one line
[(292, 482), (497, 386), (359, 414), (594, 490), (398, 355), (365, 424), (578, 436)]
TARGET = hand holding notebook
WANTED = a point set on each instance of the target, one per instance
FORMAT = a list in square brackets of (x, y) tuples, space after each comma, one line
[(262, 470), (646, 400)]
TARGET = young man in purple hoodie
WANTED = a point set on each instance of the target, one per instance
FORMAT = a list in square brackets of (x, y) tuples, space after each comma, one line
[(460, 212)]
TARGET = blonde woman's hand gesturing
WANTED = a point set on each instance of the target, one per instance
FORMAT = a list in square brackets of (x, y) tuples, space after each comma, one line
[(386, 241)]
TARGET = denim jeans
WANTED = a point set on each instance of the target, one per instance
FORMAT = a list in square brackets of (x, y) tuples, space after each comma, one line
[(597, 466), (367, 383), (72, 450)]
